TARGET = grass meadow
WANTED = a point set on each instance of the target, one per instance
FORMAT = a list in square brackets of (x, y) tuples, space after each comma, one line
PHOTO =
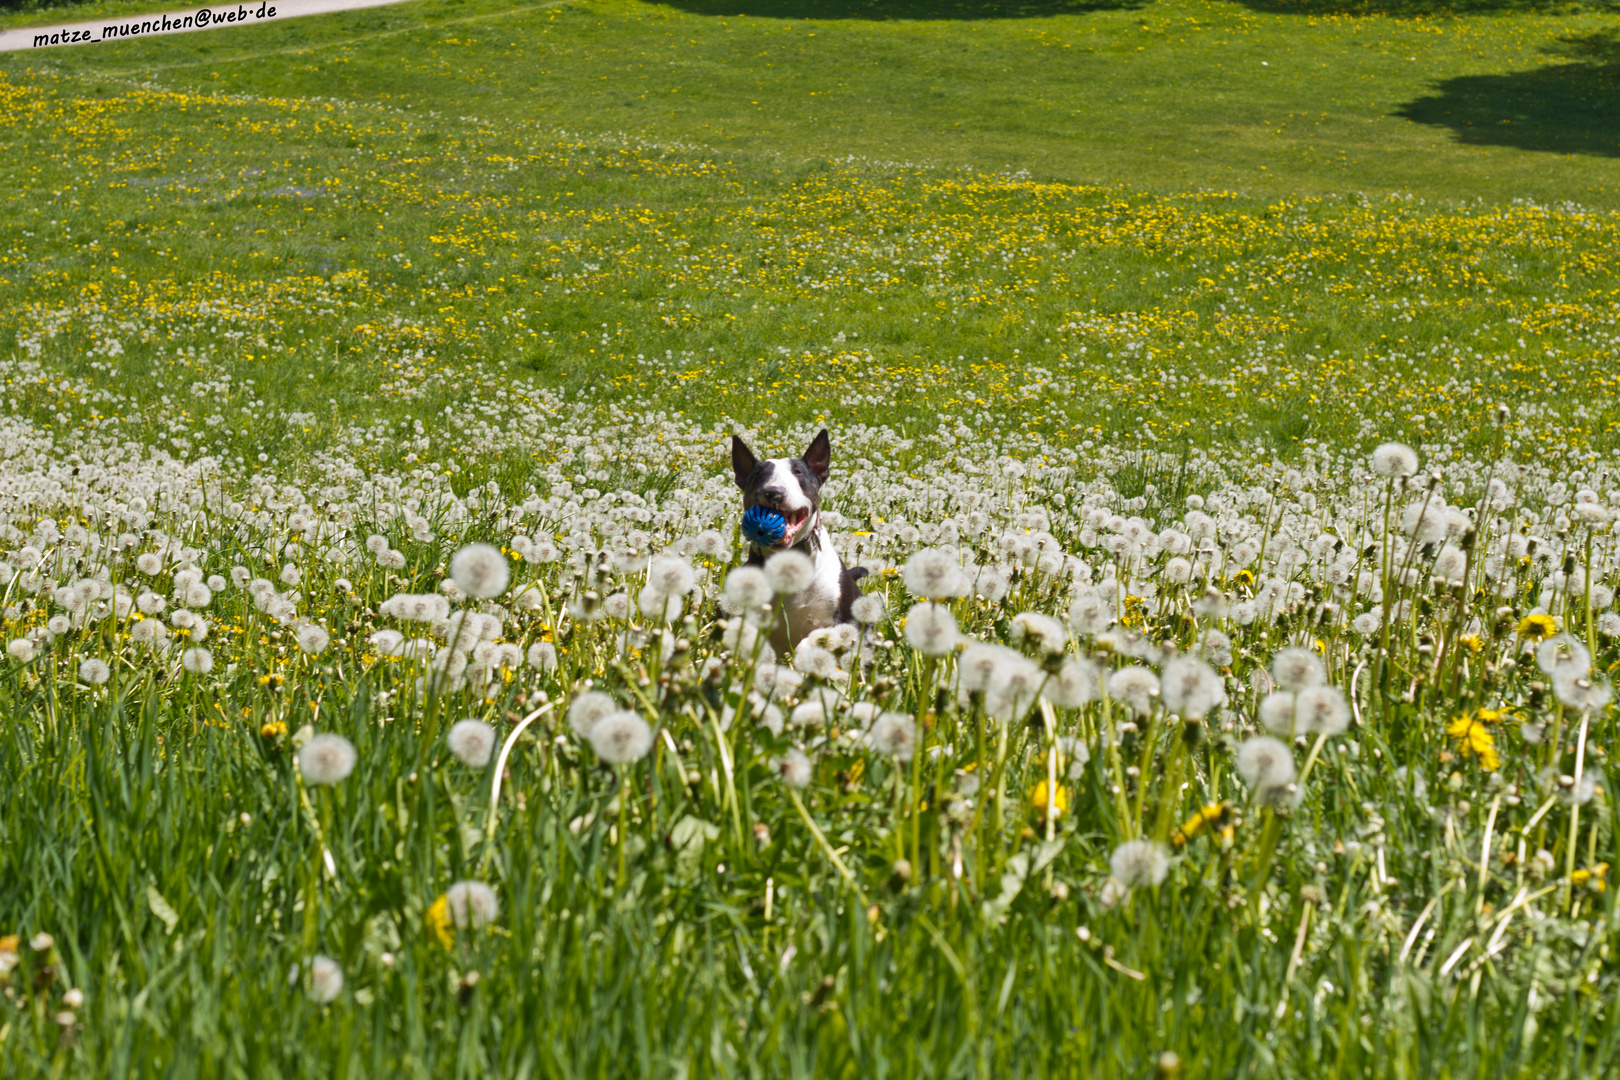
[(1223, 404)]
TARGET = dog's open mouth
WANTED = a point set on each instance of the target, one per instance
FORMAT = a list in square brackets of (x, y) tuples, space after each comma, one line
[(796, 521)]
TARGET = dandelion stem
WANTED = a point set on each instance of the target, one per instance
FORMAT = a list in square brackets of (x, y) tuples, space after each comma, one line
[(1310, 759), (1575, 809), (838, 864), (495, 782), (1270, 834)]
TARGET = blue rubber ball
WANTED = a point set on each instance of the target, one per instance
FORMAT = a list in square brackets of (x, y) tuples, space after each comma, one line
[(763, 526)]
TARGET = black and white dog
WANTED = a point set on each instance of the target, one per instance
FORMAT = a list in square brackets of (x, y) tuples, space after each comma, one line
[(792, 487)]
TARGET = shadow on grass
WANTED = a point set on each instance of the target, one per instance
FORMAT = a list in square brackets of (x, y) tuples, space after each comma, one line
[(881, 10), (1409, 8), (1570, 108)]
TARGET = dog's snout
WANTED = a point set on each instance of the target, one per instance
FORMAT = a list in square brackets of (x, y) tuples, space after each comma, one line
[(773, 495)]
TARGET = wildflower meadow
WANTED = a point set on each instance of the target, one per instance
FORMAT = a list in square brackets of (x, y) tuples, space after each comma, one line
[(387, 690)]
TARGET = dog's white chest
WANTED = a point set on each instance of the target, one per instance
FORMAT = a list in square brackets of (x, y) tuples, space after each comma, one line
[(817, 605)]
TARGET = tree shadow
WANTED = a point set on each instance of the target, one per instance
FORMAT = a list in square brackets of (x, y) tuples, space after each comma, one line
[(1407, 8), (895, 10), (1569, 108)]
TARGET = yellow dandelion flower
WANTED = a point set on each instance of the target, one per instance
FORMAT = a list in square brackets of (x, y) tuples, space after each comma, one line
[(272, 729), (1475, 740), (1038, 801), (1595, 877), (438, 920), (1472, 643), (1216, 817), (1538, 627)]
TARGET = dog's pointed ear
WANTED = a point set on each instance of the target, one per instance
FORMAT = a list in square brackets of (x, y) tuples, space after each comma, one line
[(743, 461), (819, 455)]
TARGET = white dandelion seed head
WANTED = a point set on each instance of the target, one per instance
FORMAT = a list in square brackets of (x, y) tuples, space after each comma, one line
[(21, 650), (1090, 614), (808, 714), (1321, 710), (978, 663), (870, 608), (794, 768), (1583, 790), (387, 642), (790, 572), (932, 574), (1563, 651), (291, 575), (894, 734), (658, 605), (587, 709), (1450, 563), (95, 671), (1586, 691), (145, 632), (748, 587), (815, 661), (1138, 863), (931, 629), (1042, 631), (1266, 766), (1112, 893), (376, 544), (325, 980), (1394, 459), (1077, 753), (1277, 712), (1190, 688), (671, 575), (326, 759), (542, 656), (631, 561), (313, 639), (991, 584), (1295, 669), (472, 904), (472, 741), (480, 570), (1426, 520), (1135, 687), (198, 661), (1077, 683), (1013, 688), (149, 563), (621, 737)]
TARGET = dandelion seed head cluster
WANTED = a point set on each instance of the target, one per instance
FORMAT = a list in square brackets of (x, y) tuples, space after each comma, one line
[(472, 742), (621, 737), (472, 904), (326, 759)]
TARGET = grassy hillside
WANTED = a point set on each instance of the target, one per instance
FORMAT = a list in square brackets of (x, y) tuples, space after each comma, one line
[(1225, 225)]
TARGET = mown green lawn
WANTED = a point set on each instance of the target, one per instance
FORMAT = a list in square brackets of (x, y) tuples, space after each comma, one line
[(1227, 225)]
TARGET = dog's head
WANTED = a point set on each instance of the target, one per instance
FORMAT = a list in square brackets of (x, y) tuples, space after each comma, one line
[(790, 486)]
